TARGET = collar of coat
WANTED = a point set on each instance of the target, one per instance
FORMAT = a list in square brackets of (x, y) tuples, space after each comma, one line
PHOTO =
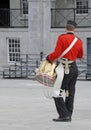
[(70, 32)]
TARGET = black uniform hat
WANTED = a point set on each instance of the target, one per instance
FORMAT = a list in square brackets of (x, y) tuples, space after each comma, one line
[(70, 22)]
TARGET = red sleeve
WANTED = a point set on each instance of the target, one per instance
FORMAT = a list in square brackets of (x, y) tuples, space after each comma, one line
[(57, 51), (81, 51)]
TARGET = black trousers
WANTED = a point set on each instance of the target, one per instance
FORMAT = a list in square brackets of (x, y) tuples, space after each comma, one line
[(65, 106)]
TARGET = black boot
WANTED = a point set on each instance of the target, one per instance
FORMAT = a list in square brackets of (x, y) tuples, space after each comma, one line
[(64, 115), (63, 119)]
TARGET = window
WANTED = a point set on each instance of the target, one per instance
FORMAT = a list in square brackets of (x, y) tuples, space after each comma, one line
[(24, 7), (82, 6), (13, 49)]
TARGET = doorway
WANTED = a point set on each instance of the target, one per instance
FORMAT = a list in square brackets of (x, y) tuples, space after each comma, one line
[(89, 54), (4, 13)]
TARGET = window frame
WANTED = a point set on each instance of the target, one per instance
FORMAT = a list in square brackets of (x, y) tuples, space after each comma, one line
[(24, 7), (80, 12), (14, 50)]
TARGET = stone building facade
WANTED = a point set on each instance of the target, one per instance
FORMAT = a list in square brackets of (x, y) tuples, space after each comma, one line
[(31, 32)]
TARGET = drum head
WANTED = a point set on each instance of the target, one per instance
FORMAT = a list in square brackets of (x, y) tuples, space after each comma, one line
[(45, 79)]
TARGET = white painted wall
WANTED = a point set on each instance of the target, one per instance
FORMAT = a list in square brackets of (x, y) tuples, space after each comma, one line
[(14, 4), (12, 33)]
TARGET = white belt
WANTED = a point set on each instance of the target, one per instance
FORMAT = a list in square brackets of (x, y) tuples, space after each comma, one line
[(63, 60)]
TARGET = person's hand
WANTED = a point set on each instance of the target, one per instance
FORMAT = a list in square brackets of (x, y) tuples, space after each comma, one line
[(48, 60)]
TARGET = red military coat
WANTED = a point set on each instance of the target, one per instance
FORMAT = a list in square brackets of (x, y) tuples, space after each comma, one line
[(63, 42)]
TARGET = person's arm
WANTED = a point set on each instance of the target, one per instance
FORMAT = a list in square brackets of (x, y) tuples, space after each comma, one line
[(57, 51), (81, 51)]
